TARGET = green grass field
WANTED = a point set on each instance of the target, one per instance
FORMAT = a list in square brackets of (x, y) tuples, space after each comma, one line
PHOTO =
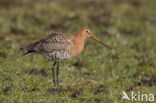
[(97, 75)]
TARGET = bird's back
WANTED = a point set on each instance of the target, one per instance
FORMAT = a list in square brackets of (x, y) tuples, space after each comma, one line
[(56, 46)]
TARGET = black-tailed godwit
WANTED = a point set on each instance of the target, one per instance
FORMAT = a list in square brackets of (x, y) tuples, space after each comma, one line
[(59, 46)]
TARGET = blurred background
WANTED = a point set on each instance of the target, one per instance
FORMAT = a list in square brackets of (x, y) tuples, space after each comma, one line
[(98, 74)]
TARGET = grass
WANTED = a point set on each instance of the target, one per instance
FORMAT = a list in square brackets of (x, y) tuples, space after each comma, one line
[(97, 75)]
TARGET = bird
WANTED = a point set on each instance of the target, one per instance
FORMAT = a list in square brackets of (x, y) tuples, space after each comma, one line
[(59, 46)]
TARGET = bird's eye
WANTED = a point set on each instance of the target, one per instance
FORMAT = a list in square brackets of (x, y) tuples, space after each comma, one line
[(87, 31)]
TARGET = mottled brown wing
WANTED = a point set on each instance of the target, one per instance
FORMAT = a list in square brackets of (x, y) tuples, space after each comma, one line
[(54, 42)]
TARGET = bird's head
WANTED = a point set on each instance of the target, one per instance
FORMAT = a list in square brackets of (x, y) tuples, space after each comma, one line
[(87, 32)]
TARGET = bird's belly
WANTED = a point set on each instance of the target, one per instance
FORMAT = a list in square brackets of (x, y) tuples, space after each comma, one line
[(57, 55)]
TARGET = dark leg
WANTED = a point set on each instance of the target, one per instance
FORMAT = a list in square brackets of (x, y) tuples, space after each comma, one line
[(53, 70), (58, 73)]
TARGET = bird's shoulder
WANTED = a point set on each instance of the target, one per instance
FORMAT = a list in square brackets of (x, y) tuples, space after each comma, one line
[(59, 37)]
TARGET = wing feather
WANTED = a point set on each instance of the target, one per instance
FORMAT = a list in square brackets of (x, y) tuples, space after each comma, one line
[(54, 42)]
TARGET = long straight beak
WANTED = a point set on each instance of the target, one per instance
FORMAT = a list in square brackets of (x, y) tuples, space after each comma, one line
[(99, 41)]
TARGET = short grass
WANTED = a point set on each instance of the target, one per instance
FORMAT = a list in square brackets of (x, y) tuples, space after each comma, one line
[(97, 75)]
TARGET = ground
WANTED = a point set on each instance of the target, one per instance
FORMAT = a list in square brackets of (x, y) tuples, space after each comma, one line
[(97, 75)]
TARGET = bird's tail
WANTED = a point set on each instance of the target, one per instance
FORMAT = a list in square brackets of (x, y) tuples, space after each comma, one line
[(28, 49)]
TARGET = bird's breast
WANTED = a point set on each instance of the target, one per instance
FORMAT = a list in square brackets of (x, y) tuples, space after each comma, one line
[(77, 49)]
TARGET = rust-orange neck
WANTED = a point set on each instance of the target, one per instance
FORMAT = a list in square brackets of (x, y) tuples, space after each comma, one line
[(79, 41)]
